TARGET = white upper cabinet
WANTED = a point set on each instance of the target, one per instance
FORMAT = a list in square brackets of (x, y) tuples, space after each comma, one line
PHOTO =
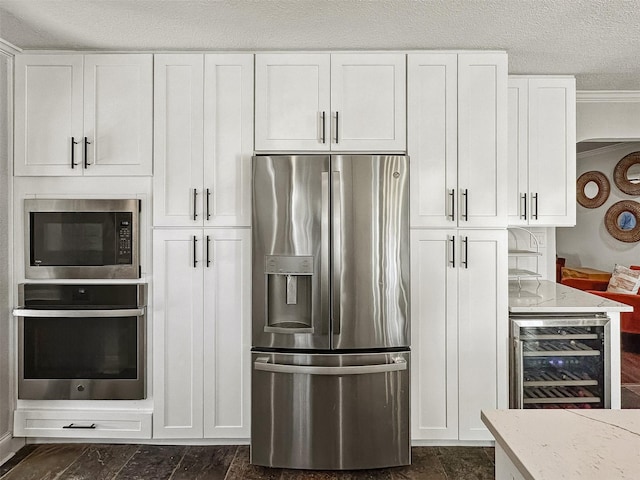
[(330, 102), (83, 115), (542, 151), (457, 139), (203, 139)]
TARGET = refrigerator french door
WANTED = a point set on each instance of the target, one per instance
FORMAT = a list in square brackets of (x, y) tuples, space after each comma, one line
[(330, 311)]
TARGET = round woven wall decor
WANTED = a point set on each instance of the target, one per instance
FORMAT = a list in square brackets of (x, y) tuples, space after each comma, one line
[(620, 174), (622, 221), (604, 187)]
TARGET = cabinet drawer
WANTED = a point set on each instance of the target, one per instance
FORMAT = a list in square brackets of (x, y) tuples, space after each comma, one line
[(82, 424)]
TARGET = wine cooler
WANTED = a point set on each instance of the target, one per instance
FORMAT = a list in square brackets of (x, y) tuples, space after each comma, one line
[(560, 362)]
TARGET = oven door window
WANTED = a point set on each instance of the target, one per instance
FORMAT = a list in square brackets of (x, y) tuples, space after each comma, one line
[(89, 348), (74, 238)]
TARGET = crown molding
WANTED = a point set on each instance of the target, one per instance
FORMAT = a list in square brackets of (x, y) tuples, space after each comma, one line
[(608, 150), (9, 49), (608, 96)]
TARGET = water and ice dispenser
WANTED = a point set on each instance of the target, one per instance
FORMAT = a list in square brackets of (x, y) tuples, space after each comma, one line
[(289, 284)]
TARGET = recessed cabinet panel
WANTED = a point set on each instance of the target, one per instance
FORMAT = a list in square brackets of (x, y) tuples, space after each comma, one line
[(368, 102), (482, 332), (227, 334), (542, 154), (48, 113), (433, 138), (228, 139), (552, 152), (292, 92), (434, 311), (337, 102), (177, 335), (518, 197), (202, 325), (482, 142), (118, 92), (178, 140), (83, 115), (203, 140)]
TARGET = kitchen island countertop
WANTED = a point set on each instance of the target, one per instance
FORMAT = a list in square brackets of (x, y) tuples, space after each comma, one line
[(565, 444), (551, 297)]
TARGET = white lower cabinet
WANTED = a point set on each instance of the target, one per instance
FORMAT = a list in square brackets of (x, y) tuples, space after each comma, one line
[(202, 333), (459, 331), (81, 423)]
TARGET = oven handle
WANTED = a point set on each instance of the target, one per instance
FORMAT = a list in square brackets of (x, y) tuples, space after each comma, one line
[(262, 363), (125, 312)]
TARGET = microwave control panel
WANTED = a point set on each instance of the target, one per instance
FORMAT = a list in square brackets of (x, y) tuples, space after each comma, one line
[(124, 226)]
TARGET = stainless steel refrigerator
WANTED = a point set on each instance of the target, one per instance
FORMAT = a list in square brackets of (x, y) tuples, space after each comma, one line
[(330, 376)]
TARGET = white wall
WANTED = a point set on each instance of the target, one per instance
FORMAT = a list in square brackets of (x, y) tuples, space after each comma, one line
[(588, 244), (5, 337)]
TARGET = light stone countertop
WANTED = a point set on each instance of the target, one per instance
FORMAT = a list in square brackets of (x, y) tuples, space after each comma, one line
[(569, 444), (551, 297)]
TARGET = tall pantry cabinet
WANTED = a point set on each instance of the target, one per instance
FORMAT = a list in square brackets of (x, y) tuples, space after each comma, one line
[(203, 106), (457, 114)]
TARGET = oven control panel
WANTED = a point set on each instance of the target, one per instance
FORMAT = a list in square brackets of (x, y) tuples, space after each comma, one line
[(124, 227)]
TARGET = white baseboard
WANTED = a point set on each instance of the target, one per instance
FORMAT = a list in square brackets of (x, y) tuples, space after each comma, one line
[(9, 446)]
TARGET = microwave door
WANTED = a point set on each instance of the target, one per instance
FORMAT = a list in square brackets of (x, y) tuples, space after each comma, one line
[(80, 239)]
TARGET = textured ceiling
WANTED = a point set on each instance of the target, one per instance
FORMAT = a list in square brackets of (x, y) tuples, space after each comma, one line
[(596, 40)]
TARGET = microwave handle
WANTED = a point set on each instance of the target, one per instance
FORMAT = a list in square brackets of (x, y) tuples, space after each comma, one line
[(124, 312)]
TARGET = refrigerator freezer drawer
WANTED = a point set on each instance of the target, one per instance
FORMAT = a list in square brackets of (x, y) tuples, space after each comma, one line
[(330, 412)]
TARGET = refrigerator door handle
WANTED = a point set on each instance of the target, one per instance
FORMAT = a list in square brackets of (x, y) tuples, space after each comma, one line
[(262, 363), (336, 222)]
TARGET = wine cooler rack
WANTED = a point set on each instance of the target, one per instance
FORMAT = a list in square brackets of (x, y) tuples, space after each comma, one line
[(559, 362)]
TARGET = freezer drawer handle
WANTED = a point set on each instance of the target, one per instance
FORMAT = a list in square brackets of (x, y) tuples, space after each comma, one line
[(262, 363), (73, 425)]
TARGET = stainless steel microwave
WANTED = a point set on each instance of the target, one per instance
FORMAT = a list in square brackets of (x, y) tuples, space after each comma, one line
[(78, 238)]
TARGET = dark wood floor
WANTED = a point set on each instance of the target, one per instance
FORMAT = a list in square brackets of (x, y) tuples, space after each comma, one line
[(152, 462)]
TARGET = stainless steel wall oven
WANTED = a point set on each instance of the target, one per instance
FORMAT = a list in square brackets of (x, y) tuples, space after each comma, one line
[(75, 238), (81, 341)]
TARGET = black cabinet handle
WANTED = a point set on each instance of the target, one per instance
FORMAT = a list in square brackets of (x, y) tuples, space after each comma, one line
[(337, 127), (86, 159), (195, 206), (73, 150), (208, 242), (195, 260), (535, 197), (324, 140), (453, 251), (465, 215), (208, 195), (452, 194), (465, 262), (73, 425), (524, 197)]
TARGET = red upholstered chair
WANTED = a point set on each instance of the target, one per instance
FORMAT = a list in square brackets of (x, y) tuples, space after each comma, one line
[(629, 321)]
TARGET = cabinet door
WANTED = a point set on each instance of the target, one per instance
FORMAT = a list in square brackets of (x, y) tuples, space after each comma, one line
[(48, 114), (118, 114), (368, 102), (552, 151), (433, 138), (434, 333), (227, 333), (482, 140), (518, 196), (177, 333), (482, 328), (228, 139), (178, 139), (292, 102)]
